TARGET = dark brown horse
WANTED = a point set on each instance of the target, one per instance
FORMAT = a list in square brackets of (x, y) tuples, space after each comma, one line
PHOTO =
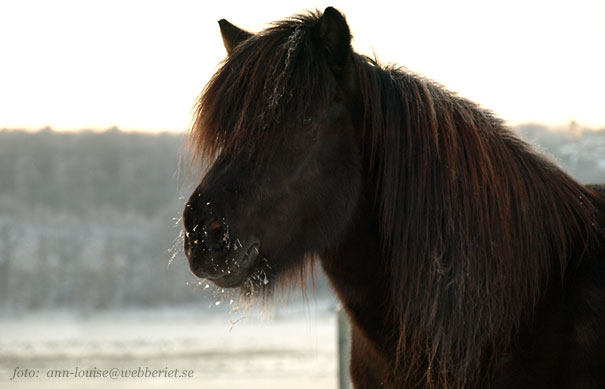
[(462, 257)]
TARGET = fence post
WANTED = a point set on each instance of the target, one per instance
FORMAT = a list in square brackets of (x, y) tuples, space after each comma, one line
[(344, 349)]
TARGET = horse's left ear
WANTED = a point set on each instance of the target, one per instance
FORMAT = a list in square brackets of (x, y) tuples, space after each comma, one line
[(232, 35), (334, 35)]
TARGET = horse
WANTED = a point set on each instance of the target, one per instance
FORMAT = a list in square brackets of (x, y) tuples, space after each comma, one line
[(461, 256)]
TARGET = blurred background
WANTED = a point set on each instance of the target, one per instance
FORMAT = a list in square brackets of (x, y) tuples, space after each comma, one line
[(95, 98)]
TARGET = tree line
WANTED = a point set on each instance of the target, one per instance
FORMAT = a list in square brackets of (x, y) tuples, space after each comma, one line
[(90, 221)]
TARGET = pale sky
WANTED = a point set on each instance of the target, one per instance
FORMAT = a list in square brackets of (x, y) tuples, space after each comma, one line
[(139, 65)]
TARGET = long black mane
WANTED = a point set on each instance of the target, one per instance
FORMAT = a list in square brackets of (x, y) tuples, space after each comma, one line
[(487, 222), (474, 226)]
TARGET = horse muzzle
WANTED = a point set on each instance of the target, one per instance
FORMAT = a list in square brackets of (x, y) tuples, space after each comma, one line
[(212, 250)]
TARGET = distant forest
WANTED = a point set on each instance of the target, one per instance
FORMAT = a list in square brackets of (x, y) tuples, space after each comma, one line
[(88, 220)]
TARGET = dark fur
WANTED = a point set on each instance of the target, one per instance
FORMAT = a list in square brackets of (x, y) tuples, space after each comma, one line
[(463, 258)]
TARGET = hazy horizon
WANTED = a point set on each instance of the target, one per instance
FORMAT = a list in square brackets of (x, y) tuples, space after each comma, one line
[(571, 126)]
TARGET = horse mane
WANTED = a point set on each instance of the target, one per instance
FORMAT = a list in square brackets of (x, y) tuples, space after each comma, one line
[(474, 225)]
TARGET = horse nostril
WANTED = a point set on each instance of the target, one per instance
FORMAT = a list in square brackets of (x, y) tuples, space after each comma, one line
[(214, 226), (216, 235)]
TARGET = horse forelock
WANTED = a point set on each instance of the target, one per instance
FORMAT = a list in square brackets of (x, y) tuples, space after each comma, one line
[(261, 92)]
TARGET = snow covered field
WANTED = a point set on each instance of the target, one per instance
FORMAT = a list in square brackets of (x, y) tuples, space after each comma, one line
[(290, 350)]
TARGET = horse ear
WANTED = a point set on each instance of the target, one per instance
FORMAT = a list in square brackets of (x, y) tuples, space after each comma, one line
[(334, 35), (232, 35)]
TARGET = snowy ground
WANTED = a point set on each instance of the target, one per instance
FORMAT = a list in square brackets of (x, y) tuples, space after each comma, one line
[(295, 349)]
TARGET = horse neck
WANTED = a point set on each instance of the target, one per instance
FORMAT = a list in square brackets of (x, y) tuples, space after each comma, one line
[(356, 271)]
